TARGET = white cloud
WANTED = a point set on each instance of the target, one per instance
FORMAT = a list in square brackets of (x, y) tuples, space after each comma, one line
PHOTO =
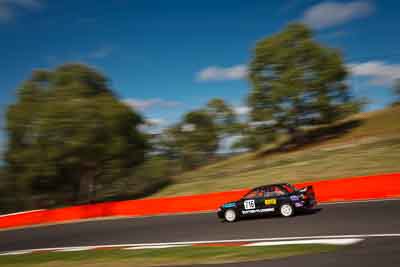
[(225, 146), (25, 3), (214, 73), (100, 52), (330, 14), (241, 110), (290, 5), (6, 13), (156, 121), (379, 72), (8, 8), (188, 127), (262, 123), (142, 104), (154, 125)]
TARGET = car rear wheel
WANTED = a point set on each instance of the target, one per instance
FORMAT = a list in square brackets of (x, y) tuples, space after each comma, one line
[(286, 210), (230, 215)]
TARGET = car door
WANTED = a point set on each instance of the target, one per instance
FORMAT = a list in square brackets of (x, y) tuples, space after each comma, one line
[(252, 202), (272, 199), (260, 200)]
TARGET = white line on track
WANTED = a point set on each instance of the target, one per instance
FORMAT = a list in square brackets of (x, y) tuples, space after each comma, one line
[(256, 240), (19, 252), (333, 241), (321, 238), (71, 249), (155, 247), (22, 212)]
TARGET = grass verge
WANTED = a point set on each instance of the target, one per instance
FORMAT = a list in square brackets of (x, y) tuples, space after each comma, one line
[(160, 257)]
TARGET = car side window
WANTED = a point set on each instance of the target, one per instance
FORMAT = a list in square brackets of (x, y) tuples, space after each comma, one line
[(268, 192), (254, 194), (260, 192), (273, 191)]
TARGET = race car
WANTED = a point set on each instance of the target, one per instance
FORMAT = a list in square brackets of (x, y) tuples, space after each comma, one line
[(283, 199)]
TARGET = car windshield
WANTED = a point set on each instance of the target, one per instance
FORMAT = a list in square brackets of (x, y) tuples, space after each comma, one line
[(253, 194)]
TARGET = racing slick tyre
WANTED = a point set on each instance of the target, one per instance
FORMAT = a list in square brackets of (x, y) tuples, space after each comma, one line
[(286, 210), (230, 215)]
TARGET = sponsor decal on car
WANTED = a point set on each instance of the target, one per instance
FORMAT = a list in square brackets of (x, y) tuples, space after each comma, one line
[(230, 205), (294, 198), (298, 204), (249, 204), (258, 211), (271, 201)]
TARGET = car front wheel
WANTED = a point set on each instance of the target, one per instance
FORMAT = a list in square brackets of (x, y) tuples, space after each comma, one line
[(286, 210), (230, 215)]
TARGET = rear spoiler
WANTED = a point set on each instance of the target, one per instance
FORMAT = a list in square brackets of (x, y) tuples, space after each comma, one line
[(308, 192), (307, 188)]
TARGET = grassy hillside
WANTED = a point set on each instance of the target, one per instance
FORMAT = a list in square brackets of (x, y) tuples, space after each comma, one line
[(367, 143)]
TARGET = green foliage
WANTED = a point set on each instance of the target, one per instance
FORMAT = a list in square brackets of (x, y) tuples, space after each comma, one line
[(297, 82), (396, 91), (147, 178), (68, 133), (193, 141), (6, 193), (254, 137), (223, 116)]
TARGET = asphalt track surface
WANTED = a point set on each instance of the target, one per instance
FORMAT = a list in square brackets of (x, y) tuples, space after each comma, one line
[(381, 217)]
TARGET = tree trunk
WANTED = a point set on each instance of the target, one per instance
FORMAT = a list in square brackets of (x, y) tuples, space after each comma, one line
[(86, 185), (297, 137)]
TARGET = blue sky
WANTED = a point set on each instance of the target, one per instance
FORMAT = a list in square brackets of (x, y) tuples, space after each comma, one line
[(167, 57)]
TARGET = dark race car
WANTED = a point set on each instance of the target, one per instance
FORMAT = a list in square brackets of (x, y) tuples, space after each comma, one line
[(283, 199)]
